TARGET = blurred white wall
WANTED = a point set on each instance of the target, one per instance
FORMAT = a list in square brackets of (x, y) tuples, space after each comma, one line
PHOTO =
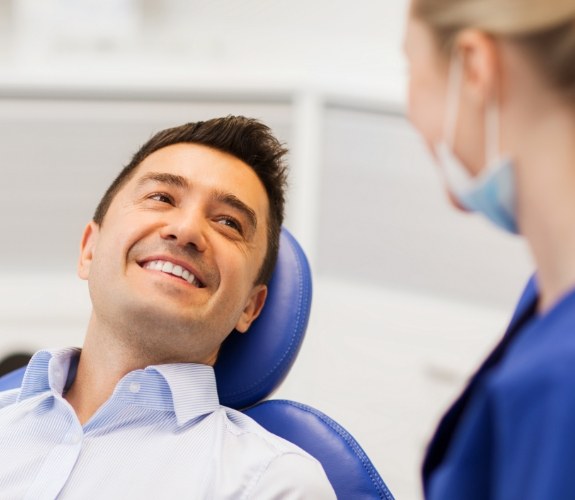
[(409, 294), (323, 41)]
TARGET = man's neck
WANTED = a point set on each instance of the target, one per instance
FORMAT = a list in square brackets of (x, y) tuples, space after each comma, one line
[(111, 351), (103, 363)]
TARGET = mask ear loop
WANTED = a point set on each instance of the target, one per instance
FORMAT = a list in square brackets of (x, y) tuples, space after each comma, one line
[(491, 132), (454, 81), (455, 177)]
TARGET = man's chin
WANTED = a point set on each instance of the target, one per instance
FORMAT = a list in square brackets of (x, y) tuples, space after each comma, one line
[(156, 317)]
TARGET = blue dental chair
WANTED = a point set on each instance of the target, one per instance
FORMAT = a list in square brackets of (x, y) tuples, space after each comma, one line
[(251, 366)]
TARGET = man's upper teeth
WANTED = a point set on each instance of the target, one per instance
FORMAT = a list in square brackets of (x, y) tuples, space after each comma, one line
[(170, 268)]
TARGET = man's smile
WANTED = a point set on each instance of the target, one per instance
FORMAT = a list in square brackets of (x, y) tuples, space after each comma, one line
[(170, 267)]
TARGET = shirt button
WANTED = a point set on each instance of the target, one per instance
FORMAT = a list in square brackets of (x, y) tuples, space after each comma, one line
[(134, 387), (73, 439)]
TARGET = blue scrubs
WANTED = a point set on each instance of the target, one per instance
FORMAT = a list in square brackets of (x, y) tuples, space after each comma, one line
[(511, 434)]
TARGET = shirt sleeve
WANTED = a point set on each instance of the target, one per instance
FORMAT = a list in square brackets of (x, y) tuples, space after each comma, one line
[(293, 477)]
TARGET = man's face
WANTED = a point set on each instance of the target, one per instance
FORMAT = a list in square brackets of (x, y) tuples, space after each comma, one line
[(172, 267)]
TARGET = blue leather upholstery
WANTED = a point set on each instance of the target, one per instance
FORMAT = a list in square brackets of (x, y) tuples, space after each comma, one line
[(12, 379), (252, 365), (348, 468)]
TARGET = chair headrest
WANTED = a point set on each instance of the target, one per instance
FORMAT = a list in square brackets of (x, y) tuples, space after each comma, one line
[(252, 365)]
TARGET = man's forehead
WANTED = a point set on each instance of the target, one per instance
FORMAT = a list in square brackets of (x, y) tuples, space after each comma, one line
[(195, 160)]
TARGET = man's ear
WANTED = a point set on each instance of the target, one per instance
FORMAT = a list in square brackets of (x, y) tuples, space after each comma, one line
[(89, 239), (253, 308)]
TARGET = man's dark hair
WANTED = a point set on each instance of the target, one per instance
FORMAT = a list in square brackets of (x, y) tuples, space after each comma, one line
[(244, 138)]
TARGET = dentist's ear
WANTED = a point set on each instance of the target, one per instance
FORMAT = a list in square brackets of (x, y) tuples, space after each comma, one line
[(480, 55), (89, 239), (253, 308)]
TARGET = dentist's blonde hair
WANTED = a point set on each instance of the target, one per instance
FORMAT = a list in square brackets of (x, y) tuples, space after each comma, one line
[(544, 29)]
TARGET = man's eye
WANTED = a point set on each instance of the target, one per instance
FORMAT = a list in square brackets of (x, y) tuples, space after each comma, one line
[(232, 223), (162, 197)]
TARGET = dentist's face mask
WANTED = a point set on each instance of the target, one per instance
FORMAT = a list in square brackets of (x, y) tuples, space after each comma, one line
[(492, 192)]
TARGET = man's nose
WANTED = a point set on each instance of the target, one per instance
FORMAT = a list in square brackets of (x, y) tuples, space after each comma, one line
[(187, 230)]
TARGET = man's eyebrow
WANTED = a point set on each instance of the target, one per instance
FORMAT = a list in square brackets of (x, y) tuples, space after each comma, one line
[(237, 204), (164, 178), (218, 196)]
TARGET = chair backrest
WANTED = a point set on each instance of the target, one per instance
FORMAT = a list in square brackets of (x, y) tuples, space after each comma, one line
[(274, 341), (252, 365), (12, 379)]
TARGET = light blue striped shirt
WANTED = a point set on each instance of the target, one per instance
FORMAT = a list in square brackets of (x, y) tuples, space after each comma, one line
[(162, 434)]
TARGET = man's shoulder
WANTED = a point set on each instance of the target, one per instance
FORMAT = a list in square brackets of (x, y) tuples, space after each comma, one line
[(243, 427), (286, 470)]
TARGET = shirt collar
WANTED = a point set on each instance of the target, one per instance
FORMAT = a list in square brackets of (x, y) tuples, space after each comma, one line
[(188, 389), (48, 370), (193, 389)]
